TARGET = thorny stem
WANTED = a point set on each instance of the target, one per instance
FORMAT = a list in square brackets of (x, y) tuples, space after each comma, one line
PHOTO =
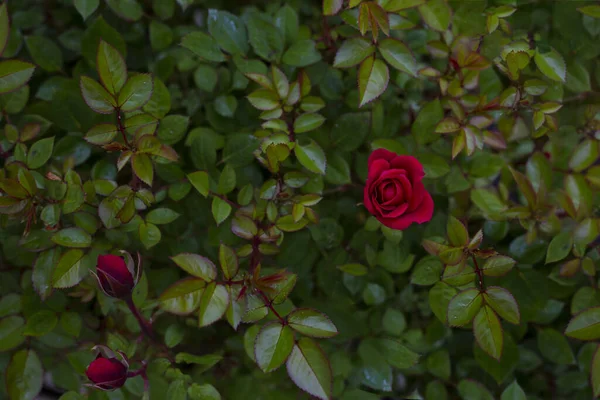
[(255, 256), (479, 273), (141, 372), (146, 327), (122, 127)]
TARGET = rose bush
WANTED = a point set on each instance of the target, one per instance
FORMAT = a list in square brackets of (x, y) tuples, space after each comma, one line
[(354, 200)]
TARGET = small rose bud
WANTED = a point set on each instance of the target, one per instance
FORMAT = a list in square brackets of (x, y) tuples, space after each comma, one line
[(115, 276), (106, 371)]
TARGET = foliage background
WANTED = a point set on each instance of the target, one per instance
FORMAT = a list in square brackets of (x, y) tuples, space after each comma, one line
[(477, 92)]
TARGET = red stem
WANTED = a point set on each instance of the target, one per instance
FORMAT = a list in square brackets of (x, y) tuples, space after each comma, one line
[(269, 305), (225, 199), (122, 127), (479, 273), (255, 256), (146, 327)]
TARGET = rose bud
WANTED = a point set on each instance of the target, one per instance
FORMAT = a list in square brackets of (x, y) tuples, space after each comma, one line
[(394, 192), (116, 277), (107, 372)]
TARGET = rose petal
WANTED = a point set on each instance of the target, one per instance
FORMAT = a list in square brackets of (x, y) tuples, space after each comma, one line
[(422, 214), (381, 154), (115, 267), (376, 169), (411, 165), (105, 370)]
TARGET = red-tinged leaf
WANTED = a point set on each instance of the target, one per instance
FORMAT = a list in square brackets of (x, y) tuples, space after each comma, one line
[(143, 168), (309, 368), (504, 303), (488, 332), (373, 78)]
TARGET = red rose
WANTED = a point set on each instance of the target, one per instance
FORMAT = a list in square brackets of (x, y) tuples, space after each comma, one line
[(394, 193), (107, 373), (116, 278)]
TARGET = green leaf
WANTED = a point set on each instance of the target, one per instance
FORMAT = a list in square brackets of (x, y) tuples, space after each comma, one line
[(229, 31), (177, 390), (353, 52), (160, 216), (591, 10), (513, 392), (41, 323), (439, 299), (196, 265), (487, 201), (456, 231), (229, 261), (14, 74), (397, 354), (96, 97), (398, 55), (220, 210), (397, 5), (264, 99), (373, 78), (311, 323), (551, 64), (44, 53), (309, 368), (266, 40), (350, 130), (40, 153), (24, 375), (394, 322), (204, 46), (375, 371), (498, 266), (226, 105), (273, 346), (585, 325), (101, 134), (488, 332), (143, 168), (85, 8), (69, 271), (469, 389), (559, 247), (11, 332), (439, 365), (173, 128), (354, 269), (584, 155), (311, 156), (183, 297), (205, 391), (332, 7), (4, 27), (161, 35), (427, 271), (595, 373), (436, 14), (308, 122), (129, 10), (424, 126), (136, 92), (149, 235), (10, 304), (464, 307), (213, 304), (504, 303), (227, 180), (72, 237), (111, 68), (200, 181), (555, 347), (434, 166), (71, 322), (302, 54)]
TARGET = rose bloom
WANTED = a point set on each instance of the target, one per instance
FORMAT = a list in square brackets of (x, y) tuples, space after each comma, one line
[(107, 373), (394, 192), (114, 276)]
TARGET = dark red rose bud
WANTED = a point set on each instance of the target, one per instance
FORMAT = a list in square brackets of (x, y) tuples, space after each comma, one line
[(394, 192), (107, 373), (115, 277)]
